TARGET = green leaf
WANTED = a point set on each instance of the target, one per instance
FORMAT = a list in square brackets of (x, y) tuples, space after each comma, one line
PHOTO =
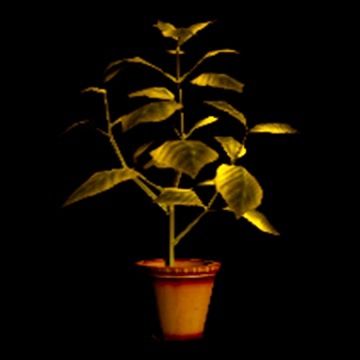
[(185, 156), (160, 93), (229, 109), (101, 182), (181, 35), (232, 147), (260, 221), (239, 188), (141, 151), (274, 128), (175, 196), (208, 55), (112, 70), (221, 81), (153, 112), (205, 122)]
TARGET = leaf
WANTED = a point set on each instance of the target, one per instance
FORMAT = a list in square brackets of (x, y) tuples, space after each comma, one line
[(274, 128), (141, 150), (229, 109), (205, 122), (185, 156), (167, 30), (181, 35), (101, 182), (154, 93), (221, 81), (111, 71), (239, 188), (175, 196), (232, 147), (260, 221), (175, 52), (94, 89), (207, 183), (188, 33), (75, 126), (208, 55), (153, 112)]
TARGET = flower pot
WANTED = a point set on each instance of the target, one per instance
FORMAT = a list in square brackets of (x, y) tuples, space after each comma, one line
[(183, 294)]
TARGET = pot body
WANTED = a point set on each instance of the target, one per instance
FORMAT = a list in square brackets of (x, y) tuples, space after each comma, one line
[(183, 294)]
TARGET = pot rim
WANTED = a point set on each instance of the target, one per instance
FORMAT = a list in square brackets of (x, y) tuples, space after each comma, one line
[(183, 267)]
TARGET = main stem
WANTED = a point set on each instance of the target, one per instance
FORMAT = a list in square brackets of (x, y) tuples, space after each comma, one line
[(170, 260)]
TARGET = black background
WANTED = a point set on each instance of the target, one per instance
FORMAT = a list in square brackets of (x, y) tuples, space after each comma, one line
[(265, 296)]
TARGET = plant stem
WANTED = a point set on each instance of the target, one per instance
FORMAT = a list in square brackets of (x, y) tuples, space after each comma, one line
[(170, 261), (180, 92), (120, 156), (196, 220)]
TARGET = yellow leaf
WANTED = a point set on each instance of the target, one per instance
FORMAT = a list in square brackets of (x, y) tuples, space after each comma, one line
[(175, 196), (141, 150), (207, 183), (167, 30), (208, 55), (239, 188), (205, 122), (229, 109), (221, 81), (154, 112), (101, 182), (232, 147), (274, 128), (185, 156), (260, 221), (94, 89), (154, 93), (112, 70)]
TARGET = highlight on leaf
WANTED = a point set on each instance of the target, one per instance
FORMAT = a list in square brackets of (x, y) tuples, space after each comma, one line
[(229, 109), (101, 182), (94, 89), (205, 122), (160, 93), (234, 149), (176, 196), (207, 183), (274, 128), (208, 55), (260, 221), (239, 188), (185, 156), (113, 69), (220, 81), (153, 112)]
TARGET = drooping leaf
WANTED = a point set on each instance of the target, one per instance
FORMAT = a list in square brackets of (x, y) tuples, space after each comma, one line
[(101, 182), (154, 112), (239, 188), (274, 128), (205, 122), (260, 221), (175, 196), (185, 156), (208, 55), (229, 109), (113, 69), (160, 93), (75, 126), (232, 147), (181, 35), (220, 81), (141, 150)]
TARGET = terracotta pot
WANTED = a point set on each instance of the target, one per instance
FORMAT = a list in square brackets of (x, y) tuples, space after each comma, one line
[(183, 295)]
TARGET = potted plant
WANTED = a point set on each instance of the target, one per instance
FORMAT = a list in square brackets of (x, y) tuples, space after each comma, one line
[(183, 286)]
